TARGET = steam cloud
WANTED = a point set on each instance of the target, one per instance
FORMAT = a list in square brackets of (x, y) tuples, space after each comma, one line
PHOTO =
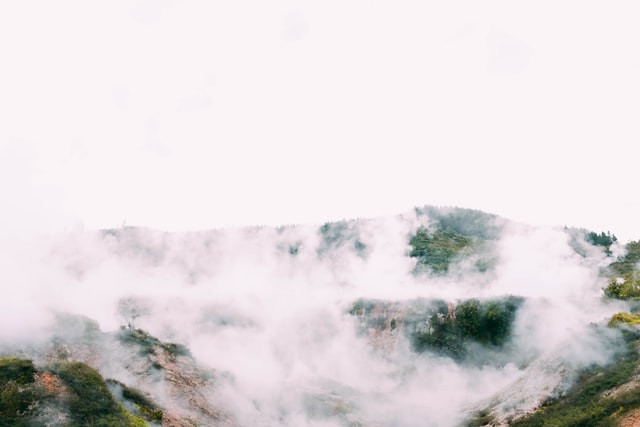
[(269, 308)]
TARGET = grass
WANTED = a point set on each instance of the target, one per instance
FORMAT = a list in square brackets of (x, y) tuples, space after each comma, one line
[(148, 344), (144, 405), (91, 403), (624, 318), (437, 249), (586, 403), (174, 349)]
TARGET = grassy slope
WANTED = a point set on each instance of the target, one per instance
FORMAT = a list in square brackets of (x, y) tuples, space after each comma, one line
[(89, 402), (593, 400), (602, 396)]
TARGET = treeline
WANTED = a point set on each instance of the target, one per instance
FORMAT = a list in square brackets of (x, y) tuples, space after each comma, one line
[(443, 328)]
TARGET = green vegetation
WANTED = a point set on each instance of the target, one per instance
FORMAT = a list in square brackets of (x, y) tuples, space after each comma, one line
[(627, 263), (363, 307), (337, 234), (17, 391), (91, 403), (437, 249), (453, 233), (590, 401), (481, 418), (148, 344), (628, 288), (625, 277), (485, 322), (439, 327), (467, 222), (579, 236), (20, 371), (174, 349), (624, 319), (602, 239), (439, 334), (145, 407), (294, 248)]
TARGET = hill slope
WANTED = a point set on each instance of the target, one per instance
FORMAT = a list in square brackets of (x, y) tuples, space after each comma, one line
[(440, 317)]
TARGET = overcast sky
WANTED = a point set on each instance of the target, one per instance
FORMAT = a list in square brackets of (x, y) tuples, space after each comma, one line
[(187, 115)]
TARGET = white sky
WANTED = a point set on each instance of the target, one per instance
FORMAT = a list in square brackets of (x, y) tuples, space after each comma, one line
[(187, 115)]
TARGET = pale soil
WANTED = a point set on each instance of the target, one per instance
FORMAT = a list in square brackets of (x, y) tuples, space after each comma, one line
[(631, 420)]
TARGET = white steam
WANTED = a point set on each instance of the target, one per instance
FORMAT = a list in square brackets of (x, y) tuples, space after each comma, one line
[(269, 308)]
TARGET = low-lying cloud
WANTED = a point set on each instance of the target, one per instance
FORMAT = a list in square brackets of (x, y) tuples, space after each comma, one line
[(269, 308)]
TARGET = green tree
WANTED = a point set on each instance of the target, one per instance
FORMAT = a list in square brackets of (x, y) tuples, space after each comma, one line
[(437, 249), (624, 268), (468, 317)]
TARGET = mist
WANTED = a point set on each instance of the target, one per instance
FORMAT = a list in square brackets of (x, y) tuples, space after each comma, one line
[(202, 118), (270, 310)]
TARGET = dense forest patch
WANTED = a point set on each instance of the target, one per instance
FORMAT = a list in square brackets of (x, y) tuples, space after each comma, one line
[(440, 327)]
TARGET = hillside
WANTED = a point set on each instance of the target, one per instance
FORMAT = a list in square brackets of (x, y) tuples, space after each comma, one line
[(437, 317)]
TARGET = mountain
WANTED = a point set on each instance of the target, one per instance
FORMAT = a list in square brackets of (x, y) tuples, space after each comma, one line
[(436, 317)]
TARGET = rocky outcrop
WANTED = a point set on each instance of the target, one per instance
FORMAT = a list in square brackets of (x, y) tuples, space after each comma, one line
[(158, 382)]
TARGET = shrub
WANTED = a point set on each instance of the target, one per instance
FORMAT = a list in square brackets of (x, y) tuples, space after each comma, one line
[(145, 406), (17, 392), (437, 249), (627, 288), (624, 318), (485, 322), (145, 341), (91, 404), (174, 349), (626, 265), (468, 222), (625, 277), (586, 403), (20, 371)]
